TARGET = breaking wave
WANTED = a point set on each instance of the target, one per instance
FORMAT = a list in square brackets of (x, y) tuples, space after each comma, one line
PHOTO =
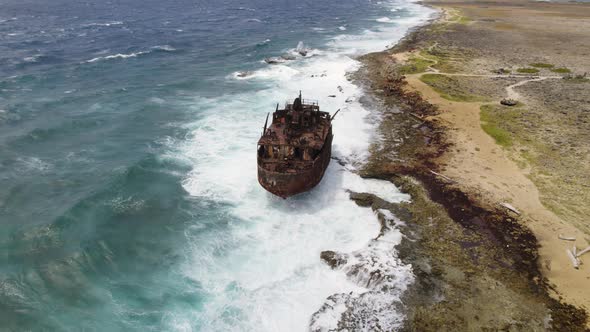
[(380, 272), (384, 20), (266, 273), (103, 24), (165, 48), (117, 56)]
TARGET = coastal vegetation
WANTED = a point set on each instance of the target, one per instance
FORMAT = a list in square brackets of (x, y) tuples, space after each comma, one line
[(415, 65), (456, 16), (541, 65), (561, 70), (444, 60), (449, 88), (527, 70), (577, 79), (492, 120)]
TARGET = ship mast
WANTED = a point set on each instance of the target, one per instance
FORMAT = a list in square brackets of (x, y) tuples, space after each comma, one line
[(266, 122)]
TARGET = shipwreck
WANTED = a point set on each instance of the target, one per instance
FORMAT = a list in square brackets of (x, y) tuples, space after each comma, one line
[(295, 150)]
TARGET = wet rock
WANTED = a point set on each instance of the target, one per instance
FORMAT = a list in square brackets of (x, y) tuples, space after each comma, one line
[(301, 49), (362, 199), (350, 312), (341, 162), (288, 57), (273, 60), (509, 102), (333, 259), (243, 74)]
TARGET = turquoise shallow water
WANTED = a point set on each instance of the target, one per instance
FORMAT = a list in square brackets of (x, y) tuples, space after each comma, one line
[(128, 196)]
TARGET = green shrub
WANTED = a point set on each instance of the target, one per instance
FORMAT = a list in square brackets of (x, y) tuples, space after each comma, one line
[(527, 70), (449, 88), (415, 65), (541, 65), (489, 125)]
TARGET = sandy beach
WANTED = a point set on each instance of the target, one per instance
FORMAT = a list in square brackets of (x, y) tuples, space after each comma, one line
[(514, 180)]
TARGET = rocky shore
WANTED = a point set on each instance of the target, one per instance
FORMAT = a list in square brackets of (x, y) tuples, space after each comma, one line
[(465, 101)]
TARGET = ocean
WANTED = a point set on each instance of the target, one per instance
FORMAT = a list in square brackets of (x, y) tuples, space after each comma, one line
[(128, 191)]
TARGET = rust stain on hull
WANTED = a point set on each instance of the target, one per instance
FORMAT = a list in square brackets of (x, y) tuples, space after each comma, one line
[(295, 150)]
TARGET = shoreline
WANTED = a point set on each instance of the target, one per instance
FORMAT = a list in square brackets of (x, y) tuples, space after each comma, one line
[(503, 254)]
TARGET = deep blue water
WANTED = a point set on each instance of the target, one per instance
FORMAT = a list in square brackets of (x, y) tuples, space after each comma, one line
[(106, 112)]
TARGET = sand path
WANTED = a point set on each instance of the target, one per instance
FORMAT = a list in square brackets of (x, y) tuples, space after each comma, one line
[(510, 92)]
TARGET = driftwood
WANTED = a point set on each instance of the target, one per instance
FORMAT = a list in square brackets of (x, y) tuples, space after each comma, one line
[(418, 125), (566, 238), (583, 252), (442, 176), (573, 258), (510, 207), (417, 117)]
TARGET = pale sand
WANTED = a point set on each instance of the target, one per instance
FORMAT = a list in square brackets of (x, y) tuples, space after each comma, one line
[(480, 166)]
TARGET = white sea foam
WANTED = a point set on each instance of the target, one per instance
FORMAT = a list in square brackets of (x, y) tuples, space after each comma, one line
[(279, 72), (104, 24), (117, 56), (165, 48), (33, 58), (35, 164), (384, 20), (377, 268), (261, 265)]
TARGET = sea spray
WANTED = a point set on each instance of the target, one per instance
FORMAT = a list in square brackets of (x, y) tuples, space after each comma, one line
[(264, 272)]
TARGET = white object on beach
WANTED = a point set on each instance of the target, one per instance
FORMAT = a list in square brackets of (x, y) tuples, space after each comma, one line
[(574, 259), (442, 176), (510, 207), (583, 252), (566, 238)]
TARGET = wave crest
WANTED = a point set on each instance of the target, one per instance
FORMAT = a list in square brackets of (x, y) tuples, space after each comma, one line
[(378, 269), (165, 48)]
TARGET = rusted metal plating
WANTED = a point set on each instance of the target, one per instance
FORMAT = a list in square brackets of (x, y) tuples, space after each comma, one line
[(294, 151)]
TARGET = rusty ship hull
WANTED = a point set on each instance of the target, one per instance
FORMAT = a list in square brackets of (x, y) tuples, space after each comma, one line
[(295, 150), (286, 184)]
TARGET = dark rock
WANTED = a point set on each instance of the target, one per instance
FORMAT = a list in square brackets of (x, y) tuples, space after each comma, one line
[(502, 71), (332, 96), (273, 60), (509, 102), (362, 199), (333, 259)]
